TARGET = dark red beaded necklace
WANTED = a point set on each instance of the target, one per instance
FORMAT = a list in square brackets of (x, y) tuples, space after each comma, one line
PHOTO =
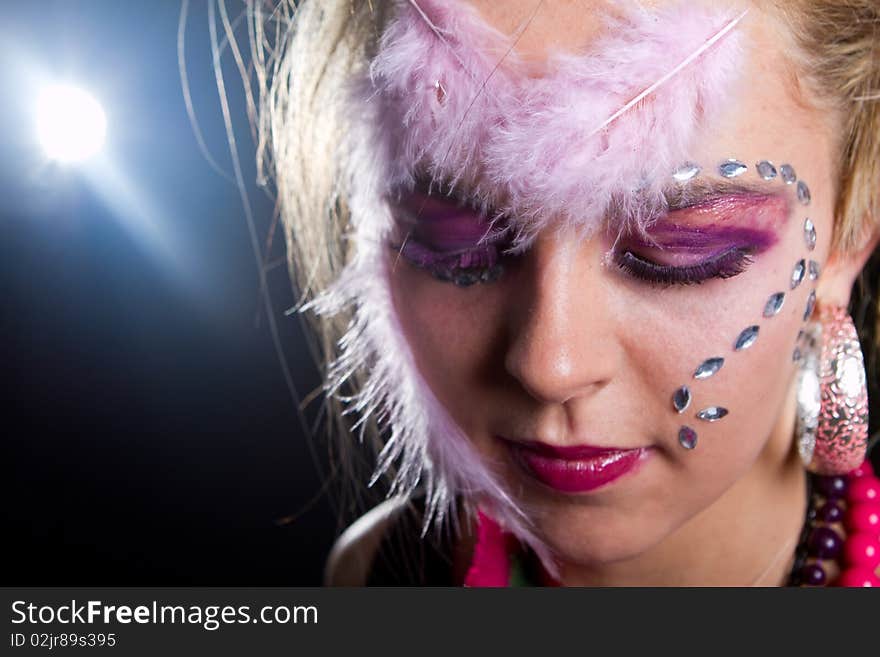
[(849, 505)]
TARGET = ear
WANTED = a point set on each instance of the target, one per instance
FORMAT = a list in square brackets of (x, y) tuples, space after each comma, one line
[(842, 270)]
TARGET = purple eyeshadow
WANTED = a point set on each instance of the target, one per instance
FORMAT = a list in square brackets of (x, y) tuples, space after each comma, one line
[(440, 224), (452, 241), (675, 236), (419, 255)]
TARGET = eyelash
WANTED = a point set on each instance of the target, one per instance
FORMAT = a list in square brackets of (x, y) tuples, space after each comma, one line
[(726, 264), (457, 268)]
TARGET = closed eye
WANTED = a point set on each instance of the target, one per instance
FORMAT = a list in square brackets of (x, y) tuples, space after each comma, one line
[(730, 262)]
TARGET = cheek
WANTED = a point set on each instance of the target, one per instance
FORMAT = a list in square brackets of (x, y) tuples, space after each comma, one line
[(451, 332), (672, 332)]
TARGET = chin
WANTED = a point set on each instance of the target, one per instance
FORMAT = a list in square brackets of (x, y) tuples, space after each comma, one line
[(589, 537)]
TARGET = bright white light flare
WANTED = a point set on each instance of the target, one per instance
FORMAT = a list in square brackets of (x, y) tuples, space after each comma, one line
[(70, 123)]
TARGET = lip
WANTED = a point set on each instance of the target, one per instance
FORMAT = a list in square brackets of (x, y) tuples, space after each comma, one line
[(575, 469)]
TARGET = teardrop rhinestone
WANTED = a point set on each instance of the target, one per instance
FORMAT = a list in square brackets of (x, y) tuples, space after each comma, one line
[(797, 274), (786, 171), (809, 234), (687, 437), (681, 399), (811, 303), (766, 169), (774, 304), (803, 193), (686, 172), (732, 168), (712, 413), (814, 270), (747, 338), (708, 367)]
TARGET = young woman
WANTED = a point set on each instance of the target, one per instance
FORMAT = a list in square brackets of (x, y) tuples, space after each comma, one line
[(587, 275)]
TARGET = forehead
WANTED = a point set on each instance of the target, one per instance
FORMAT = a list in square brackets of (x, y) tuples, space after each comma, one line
[(545, 25)]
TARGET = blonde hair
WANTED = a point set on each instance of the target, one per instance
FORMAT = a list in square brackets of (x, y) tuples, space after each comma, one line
[(304, 54), (838, 55)]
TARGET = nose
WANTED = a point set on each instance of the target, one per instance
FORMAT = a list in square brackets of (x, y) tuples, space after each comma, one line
[(562, 342)]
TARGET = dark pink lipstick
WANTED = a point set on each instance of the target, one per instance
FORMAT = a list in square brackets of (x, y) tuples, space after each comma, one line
[(575, 469)]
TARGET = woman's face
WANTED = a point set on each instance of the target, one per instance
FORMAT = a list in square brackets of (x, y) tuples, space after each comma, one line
[(579, 343)]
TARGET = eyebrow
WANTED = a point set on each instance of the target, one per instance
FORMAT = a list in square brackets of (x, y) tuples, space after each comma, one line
[(695, 192)]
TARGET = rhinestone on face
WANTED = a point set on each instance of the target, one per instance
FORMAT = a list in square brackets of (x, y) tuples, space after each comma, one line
[(681, 399), (796, 355), (732, 168), (814, 270), (811, 302), (809, 233), (686, 172), (774, 304), (797, 274), (786, 171), (803, 193), (766, 170), (712, 413), (687, 437), (708, 367), (746, 339)]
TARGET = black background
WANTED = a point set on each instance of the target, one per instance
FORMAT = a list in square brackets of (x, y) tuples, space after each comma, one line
[(148, 435)]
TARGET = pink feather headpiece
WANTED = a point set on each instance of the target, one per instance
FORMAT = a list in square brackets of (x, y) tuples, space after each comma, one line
[(458, 105), (448, 98)]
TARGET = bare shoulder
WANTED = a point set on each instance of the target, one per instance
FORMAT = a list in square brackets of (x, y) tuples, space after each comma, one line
[(353, 552)]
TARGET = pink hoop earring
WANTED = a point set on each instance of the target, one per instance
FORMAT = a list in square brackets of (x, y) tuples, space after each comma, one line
[(832, 395)]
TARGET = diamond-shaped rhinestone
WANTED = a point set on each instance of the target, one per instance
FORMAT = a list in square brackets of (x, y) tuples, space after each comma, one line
[(803, 193), (681, 399), (686, 172), (786, 172), (708, 367), (809, 233), (814, 270), (732, 168), (746, 339), (774, 304), (797, 274), (811, 302), (766, 169), (687, 437), (712, 413)]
